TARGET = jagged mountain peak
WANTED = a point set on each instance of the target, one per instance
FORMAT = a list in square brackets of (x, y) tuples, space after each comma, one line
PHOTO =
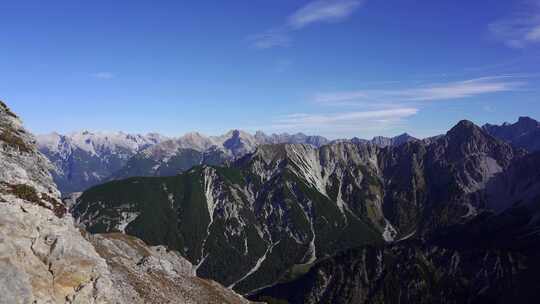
[(404, 135), (8, 117), (464, 125), (527, 120), (23, 167), (466, 131), (468, 138), (237, 134), (382, 141), (5, 110)]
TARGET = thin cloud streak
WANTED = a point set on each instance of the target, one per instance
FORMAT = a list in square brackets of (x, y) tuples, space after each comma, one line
[(431, 92), (344, 123), (520, 29), (320, 11), (323, 11), (384, 109)]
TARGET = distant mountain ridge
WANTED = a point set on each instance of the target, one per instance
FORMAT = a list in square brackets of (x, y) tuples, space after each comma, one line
[(525, 133), (381, 141), (177, 155), (180, 154), (84, 159)]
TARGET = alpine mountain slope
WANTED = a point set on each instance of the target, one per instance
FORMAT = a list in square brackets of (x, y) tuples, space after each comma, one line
[(269, 216), (491, 258)]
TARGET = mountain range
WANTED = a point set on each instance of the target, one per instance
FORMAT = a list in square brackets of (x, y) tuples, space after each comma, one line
[(267, 218), (281, 219), (84, 159)]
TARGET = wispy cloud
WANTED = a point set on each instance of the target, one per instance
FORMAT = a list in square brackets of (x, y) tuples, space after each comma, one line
[(373, 111), (430, 92), (521, 28), (320, 11), (343, 123), (103, 75), (323, 11)]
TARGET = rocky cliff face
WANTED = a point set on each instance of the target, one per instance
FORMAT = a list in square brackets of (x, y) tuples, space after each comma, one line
[(430, 186), (144, 274), (45, 258)]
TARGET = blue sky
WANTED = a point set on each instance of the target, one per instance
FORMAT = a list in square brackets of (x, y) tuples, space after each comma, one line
[(338, 68)]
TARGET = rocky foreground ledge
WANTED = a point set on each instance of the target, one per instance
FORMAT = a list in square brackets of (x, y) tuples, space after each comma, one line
[(45, 258)]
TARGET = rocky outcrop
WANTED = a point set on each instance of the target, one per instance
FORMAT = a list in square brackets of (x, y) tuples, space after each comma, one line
[(145, 274), (45, 259), (43, 256)]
